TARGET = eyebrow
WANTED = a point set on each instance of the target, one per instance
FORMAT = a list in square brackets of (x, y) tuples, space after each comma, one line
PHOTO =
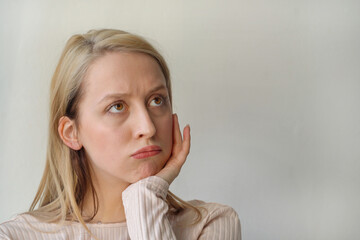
[(122, 95)]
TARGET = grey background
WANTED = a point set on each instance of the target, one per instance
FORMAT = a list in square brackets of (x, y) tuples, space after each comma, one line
[(269, 87)]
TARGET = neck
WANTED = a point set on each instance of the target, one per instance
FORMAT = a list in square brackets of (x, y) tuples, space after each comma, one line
[(110, 204)]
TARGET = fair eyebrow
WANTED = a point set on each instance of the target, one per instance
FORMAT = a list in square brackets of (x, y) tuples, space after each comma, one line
[(122, 95)]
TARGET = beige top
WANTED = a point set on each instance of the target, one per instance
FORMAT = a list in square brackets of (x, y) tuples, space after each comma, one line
[(146, 218)]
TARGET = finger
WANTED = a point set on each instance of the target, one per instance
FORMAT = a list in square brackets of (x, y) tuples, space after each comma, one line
[(177, 139), (185, 148), (187, 139)]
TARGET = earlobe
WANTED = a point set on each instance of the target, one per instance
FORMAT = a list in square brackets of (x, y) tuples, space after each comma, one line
[(68, 133)]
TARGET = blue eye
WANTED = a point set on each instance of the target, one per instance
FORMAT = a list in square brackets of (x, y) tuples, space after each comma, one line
[(116, 108), (157, 101)]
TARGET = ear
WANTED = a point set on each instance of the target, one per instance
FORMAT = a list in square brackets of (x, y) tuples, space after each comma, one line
[(68, 133)]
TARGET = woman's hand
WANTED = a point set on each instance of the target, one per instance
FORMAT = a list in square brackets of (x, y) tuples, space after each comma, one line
[(180, 150)]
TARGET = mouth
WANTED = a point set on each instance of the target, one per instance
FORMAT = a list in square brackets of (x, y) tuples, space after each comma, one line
[(146, 152)]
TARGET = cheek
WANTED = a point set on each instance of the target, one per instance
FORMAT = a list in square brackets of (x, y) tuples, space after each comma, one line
[(165, 131), (102, 141)]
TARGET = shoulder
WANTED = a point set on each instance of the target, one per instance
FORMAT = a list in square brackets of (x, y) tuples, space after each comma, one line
[(212, 210), (25, 226), (218, 221), (12, 225)]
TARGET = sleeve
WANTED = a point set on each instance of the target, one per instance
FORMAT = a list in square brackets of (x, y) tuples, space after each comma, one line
[(146, 209), (3, 236), (223, 223)]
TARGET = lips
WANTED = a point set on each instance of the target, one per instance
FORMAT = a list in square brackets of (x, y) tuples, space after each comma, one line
[(147, 151)]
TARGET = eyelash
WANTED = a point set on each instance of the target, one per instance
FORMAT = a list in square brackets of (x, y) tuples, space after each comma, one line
[(163, 102)]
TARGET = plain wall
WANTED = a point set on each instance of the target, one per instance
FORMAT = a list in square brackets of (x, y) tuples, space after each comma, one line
[(271, 90)]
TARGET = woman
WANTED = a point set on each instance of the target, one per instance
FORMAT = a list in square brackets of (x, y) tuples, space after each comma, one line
[(114, 148)]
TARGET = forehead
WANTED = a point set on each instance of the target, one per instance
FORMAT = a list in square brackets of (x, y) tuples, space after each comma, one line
[(122, 72)]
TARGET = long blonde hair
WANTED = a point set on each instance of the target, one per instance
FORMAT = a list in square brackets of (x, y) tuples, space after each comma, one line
[(67, 175)]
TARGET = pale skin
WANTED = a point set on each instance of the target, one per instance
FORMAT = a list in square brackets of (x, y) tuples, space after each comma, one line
[(111, 129)]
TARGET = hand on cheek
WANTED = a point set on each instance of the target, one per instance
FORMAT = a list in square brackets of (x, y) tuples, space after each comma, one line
[(180, 150)]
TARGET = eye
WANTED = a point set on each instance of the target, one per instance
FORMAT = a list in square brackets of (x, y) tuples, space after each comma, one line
[(157, 101), (117, 108)]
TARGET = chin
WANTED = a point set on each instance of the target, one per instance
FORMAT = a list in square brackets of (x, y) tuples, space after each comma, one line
[(148, 168)]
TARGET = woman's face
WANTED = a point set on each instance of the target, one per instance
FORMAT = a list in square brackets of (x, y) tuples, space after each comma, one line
[(125, 107)]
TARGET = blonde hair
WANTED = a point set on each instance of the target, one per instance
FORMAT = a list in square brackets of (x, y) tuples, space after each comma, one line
[(66, 176)]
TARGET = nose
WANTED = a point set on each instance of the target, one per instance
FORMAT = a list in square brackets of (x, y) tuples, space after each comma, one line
[(144, 126)]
